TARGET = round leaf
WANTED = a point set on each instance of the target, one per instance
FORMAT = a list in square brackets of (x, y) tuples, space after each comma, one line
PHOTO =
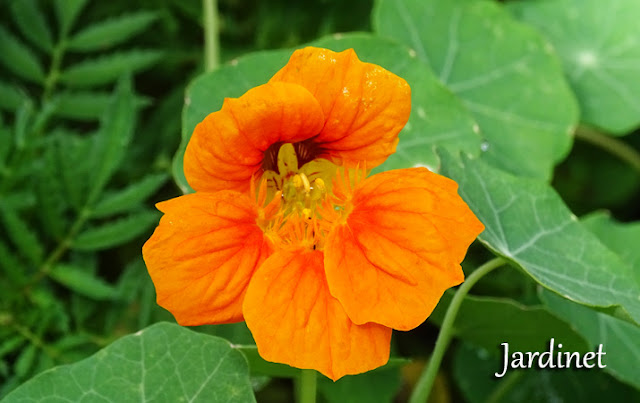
[(504, 71)]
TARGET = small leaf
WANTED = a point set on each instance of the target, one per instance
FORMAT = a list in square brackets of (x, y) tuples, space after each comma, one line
[(32, 23), (105, 34), (115, 232), (600, 50), (109, 68), (67, 11), (18, 58), (110, 143), (72, 166), (129, 197), (164, 363), (10, 97), (619, 338), (25, 361), (83, 282), (22, 237), (85, 105), (527, 223), (11, 266), (49, 193), (10, 345)]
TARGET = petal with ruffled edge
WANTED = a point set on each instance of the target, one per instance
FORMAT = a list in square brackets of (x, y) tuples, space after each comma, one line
[(295, 320), (365, 106), (400, 247), (228, 147), (203, 254)]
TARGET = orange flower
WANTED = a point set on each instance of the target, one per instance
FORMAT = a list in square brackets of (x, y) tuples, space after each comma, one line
[(286, 232)]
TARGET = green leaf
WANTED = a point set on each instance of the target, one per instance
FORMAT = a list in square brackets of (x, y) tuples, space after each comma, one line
[(10, 97), (259, 366), (600, 48), (11, 267), (108, 68), (162, 363), (111, 142), (18, 58), (527, 223), (71, 160), (83, 282), (437, 116), (50, 195), (67, 12), (32, 23), (115, 232), (380, 385), (473, 371), (106, 34), (129, 197), (505, 73), (619, 338), (21, 235), (488, 322), (86, 105), (622, 238), (25, 361)]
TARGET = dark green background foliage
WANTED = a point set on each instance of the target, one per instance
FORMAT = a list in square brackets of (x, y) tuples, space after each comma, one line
[(504, 96)]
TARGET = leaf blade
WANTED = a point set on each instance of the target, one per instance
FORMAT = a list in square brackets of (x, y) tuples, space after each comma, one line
[(108, 33)]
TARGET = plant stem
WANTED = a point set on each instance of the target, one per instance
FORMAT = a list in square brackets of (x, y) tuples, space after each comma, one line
[(614, 146), (308, 386), (423, 386), (211, 38)]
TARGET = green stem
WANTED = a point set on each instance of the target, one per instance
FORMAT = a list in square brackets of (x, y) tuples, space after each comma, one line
[(211, 39), (614, 146), (54, 71), (308, 386), (423, 387)]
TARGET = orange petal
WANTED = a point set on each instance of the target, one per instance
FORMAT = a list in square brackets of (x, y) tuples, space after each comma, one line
[(295, 320), (203, 254), (365, 106), (400, 247), (227, 148)]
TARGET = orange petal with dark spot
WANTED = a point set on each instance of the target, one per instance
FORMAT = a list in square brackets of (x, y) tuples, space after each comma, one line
[(203, 254), (364, 105), (295, 320), (400, 247), (228, 147)]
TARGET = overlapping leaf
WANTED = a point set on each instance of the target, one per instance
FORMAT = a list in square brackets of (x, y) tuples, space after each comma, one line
[(527, 222), (505, 73), (600, 48)]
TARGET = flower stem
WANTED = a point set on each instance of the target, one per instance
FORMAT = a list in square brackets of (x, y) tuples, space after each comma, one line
[(308, 386), (423, 387), (612, 145), (211, 39)]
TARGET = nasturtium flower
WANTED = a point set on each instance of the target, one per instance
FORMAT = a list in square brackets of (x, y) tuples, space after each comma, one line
[(286, 232)]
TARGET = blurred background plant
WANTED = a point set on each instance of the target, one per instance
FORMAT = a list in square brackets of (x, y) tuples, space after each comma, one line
[(91, 99)]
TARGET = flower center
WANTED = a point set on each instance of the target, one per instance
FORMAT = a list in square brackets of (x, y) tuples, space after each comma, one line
[(297, 203)]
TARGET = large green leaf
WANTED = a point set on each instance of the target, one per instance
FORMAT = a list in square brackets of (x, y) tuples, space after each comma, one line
[(620, 339), (489, 322), (162, 363), (18, 58), (437, 117), (527, 222), (108, 68), (380, 385), (600, 46), (505, 73), (108, 33)]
